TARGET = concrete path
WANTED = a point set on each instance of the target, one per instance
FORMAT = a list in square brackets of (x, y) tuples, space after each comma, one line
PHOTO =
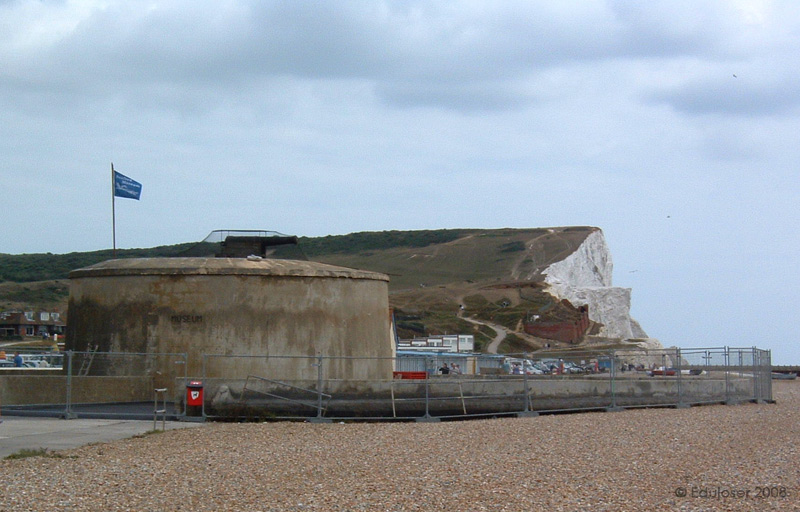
[(18, 433)]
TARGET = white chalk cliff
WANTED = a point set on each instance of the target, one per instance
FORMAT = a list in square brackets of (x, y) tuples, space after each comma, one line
[(584, 278)]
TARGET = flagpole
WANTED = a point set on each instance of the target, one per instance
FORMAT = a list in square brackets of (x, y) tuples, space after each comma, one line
[(113, 214)]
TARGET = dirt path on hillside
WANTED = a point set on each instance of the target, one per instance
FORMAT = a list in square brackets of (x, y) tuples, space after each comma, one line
[(501, 333)]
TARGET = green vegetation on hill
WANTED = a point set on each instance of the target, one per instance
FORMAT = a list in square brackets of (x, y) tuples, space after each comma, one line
[(41, 295), (474, 255), (432, 274), (24, 268), (378, 240)]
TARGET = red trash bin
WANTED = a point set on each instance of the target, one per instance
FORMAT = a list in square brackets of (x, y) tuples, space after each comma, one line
[(194, 393)]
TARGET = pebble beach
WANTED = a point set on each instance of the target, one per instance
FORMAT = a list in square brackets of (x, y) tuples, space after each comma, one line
[(718, 457)]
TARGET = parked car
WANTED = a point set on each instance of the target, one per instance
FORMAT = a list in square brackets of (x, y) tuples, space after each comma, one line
[(570, 367), (531, 368), (662, 371), (542, 368)]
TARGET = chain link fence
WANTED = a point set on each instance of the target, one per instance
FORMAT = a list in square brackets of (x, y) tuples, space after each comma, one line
[(95, 384), (419, 386), (449, 385)]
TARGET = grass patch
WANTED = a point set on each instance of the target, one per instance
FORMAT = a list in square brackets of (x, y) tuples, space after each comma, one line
[(514, 246), (513, 344), (26, 453)]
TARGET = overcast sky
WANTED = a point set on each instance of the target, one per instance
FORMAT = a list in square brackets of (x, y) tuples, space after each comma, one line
[(673, 126)]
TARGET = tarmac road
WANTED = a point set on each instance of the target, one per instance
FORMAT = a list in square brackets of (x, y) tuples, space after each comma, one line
[(18, 433)]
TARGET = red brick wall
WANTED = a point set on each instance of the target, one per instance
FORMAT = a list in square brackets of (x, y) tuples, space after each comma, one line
[(567, 332)]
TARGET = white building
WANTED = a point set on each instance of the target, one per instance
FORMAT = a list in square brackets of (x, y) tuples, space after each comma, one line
[(445, 343)]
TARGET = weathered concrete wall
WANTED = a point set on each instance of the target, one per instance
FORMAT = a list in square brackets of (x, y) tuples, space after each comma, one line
[(451, 395), (51, 389), (249, 309), (454, 395)]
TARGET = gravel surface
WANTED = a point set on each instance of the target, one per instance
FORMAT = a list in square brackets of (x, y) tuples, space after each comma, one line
[(722, 457)]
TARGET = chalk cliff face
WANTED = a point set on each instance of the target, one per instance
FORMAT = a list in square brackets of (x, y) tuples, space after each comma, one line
[(584, 278)]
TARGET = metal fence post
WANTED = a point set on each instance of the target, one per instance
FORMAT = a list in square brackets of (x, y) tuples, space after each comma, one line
[(185, 381), (526, 389), (741, 364), (613, 407), (728, 399), (525, 382), (762, 374), (319, 386), (768, 375), (68, 414), (427, 416), (205, 383), (427, 396), (319, 418), (755, 366), (679, 371)]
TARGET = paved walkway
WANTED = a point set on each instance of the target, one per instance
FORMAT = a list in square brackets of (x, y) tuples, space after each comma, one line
[(18, 433)]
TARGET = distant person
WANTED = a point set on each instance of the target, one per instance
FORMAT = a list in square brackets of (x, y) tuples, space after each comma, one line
[(17, 360), (444, 369)]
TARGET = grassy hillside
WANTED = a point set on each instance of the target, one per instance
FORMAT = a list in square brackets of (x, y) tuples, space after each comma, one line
[(24, 268), (41, 295), (469, 256), (492, 273)]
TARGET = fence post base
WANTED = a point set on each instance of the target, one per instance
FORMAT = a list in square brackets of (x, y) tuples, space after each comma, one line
[(427, 419), (682, 405), (527, 414), (614, 408), (318, 419), (192, 419)]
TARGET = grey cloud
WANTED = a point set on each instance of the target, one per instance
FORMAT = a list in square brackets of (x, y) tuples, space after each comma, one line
[(405, 50), (726, 94)]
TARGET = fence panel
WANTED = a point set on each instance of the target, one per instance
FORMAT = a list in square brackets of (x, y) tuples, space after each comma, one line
[(420, 387)]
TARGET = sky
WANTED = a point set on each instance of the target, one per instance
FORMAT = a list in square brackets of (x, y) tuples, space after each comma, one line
[(671, 125)]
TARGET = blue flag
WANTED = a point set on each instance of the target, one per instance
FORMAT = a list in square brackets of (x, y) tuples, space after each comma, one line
[(126, 187)]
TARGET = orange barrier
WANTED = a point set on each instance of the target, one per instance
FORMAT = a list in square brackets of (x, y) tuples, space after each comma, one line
[(410, 375)]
